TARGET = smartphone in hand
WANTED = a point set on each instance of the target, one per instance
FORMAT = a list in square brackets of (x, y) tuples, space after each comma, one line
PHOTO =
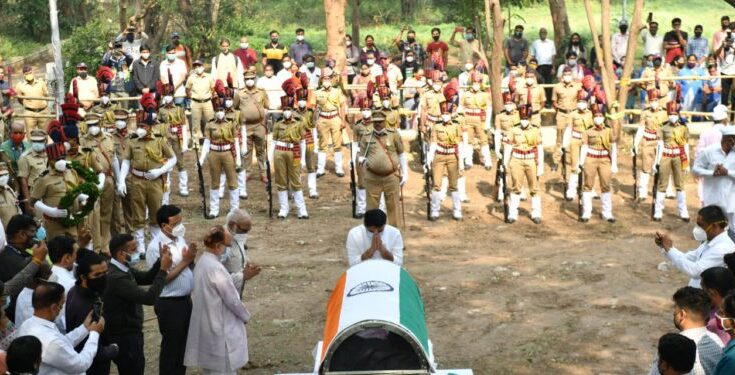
[(97, 311)]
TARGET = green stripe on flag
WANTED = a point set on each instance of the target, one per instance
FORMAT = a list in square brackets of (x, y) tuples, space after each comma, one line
[(412, 309)]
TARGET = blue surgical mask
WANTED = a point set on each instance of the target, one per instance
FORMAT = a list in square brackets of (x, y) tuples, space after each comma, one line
[(309, 64), (225, 255), (41, 234), (132, 260)]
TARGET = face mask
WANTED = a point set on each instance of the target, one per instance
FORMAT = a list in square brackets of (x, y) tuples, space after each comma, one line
[(38, 146), (97, 285), (698, 35), (657, 64), (17, 138), (120, 124), (436, 87), (83, 75), (469, 36), (327, 83), (244, 45), (699, 234), (366, 114), (170, 56), (141, 133), (582, 106), (287, 114), (409, 58), (530, 81), (302, 103), (673, 119), (228, 103), (575, 42), (518, 34), (623, 29), (475, 87), (132, 260), (29, 77), (654, 105), (468, 67), (435, 37), (524, 123), (410, 40), (179, 230), (509, 108), (286, 64), (300, 38), (348, 43), (567, 78), (274, 40), (370, 61), (105, 100), (145, 55), (4, 180), (446, 118), (310, 65), (219, 115), (386, 103), (40, 234), (225, 255), (599, 120), (691, 65), (60, 165), (241, 238), (649, 64), (94, 130), (514, 73), (572, 62), (199, 69), (249, 83)]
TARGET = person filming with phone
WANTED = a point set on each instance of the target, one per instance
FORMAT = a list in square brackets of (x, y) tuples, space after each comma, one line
[(711, 233)]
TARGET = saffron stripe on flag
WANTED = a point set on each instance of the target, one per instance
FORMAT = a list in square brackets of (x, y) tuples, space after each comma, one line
[(334, 310)]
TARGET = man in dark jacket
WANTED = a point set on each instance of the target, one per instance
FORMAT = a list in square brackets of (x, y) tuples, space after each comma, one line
[(123, 300), (145, 73)]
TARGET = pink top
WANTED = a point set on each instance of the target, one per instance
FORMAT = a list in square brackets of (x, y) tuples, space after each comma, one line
[(709, 137), (712, 327)]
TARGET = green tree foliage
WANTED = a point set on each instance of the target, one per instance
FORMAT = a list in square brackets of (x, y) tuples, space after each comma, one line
[(31, 18), (87, 44)]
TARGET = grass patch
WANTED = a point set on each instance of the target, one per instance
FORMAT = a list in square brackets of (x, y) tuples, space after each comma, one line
[(15, 46)]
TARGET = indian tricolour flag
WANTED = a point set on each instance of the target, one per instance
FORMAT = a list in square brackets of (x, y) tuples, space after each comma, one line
[(376, 290)]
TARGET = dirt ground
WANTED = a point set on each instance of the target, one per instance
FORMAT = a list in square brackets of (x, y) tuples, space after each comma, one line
[(556, 298)]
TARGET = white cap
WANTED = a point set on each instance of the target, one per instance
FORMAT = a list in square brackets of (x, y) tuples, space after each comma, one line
[(728, 131), (719, 113)]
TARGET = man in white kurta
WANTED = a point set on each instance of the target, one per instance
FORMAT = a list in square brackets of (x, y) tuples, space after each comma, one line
[(716, 167), (374, 240), (217, 341)]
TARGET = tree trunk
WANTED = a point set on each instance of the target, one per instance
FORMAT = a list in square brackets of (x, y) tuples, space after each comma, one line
[(560, 21), (629, 57), (600, 56), (335, 20), (122, 14), (186, 11), (493, 11), (408, 9), (356, 23), (215, 11)]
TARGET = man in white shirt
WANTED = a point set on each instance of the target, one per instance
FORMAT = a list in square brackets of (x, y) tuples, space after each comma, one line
[(715, 165), (620, 42), (59, 356), (227, 63), (652, 43), (173, 307), (178, 70), (284, 73), (711, 232), (395, 77), (24, 301), (544, 51), (236, 257), (313, 72), (691, 313), (62, 250), (374, 240), (272, 86)]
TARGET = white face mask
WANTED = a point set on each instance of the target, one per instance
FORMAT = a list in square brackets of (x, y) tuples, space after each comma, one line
[(145, 56), (366, 114), (572, 62), (673, 119), (582, 106), (286, 64), (567, 78), (370, 61), (105, 100), (299, 38), (287, 114), (436, 87), (509, 108), (524, 123), (228, 103), (654, 105), (327, 83), (141, 133), (4, 180), (409, 58), (302, 103), (530, 81), (475, 87), (94, 130), (249, 82), (38, 146), (199, 69), (120, 124), (386, 103), (599, 120), (60, 165), (348, 43), (446, 118), (468, 67), (168, 99), (219, 115), (244, 45), (179, 230), (699, 234)]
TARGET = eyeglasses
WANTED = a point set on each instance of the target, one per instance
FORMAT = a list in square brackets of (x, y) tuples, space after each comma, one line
[(722, 319)]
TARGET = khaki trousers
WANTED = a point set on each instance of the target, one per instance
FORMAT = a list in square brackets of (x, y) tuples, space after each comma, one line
[(523, 169), (330, 129), (647, 150), (445, 164), (222, 161), (35, 123), (670, 167), (201, 113), (390, 187), (256, 141), (144, 194), (99, 220), (288, 175), (597, 167), (475, 128), (562, 121)]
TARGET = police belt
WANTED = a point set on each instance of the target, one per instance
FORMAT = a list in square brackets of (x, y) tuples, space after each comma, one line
[(474, 112), (525, 154), (597, 153), (649, 135), (141, 174), (35, 109), (283, 146), (433, 118), (201, 100), (329, 114), (446, 149), (576, 134), (564, 111), (672, 152), (220, 146)]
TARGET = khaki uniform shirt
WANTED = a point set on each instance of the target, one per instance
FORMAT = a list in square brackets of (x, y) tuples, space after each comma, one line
[(361, 128), (525, 139), (107, 114), (475, 100), (505, 121), (581, 121), (200, 86), (538, 97), (381, 149), (252, 105), (291, 131), (653, 120), (565, 95), (52, 186), (329, 100), (31, 165), (99, 151), (220, 132), (8, 204), (392, 118), (36, 88), (598, 138), (663, 86), (172, 116), (431, 101), (147, 153), (674, 135)]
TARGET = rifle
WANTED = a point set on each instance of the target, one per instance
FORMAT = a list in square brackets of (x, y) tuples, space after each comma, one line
[(269, 183), (498, 179), (506, 198), (200, 174), (427, 174), (580, 186), (635, 175), (564, 169), (654, 190), (353, 182)]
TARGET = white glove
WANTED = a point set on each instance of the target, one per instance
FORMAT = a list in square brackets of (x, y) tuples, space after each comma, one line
[(50, 211), (614, 169), (687, 170), (122, 189), (82, 198), (361, 160), (540, 170), (578, 169), (654, 169), (201, 161), (404, 179), (153, 174)]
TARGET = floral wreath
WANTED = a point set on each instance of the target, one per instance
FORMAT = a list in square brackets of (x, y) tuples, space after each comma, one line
[(88, 187)]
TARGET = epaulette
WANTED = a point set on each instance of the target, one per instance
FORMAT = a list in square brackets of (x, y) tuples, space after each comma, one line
[(45, 172)]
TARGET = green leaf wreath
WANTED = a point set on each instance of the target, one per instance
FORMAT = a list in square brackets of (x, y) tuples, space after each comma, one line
[(88, 187)]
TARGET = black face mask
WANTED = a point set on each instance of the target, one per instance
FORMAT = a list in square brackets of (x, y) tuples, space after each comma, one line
[(518, 34), (130, 37), (575, 42), (176, 42), (697, 34), (274, 40), (436, 38), (97, 285), (410, 40), (83, 75)]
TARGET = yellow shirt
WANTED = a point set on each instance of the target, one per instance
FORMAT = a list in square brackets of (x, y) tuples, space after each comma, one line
[(200, 87), (525, 139), (30, 166), (565, 95), (329, 100), (581, 122), (37, 88), (431, 101), (674, 135), (538, 97), (381, 150), (147, 153), (475, 100)]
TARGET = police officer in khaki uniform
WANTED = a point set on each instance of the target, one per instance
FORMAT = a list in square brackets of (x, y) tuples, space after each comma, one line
[(580, 121), (98, 150), (121, 213), (564, 100), (533, 96), (200, 89), (598, 158), (385, 166), (444, 158), (32, 87), (223, 150), (146, 158), (8, 199), (654, 75), (525, 160), (504, 123), (430, 103), (646, 140), (308, 148), (287, 157), (252, 103), (106, 111), (672, 158), (232, 114), (330, 104), (31, 165), (476, 103), (362, 127), (175, 128)]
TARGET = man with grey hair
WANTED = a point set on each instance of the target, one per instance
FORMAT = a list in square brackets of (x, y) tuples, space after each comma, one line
[(235, 257)]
